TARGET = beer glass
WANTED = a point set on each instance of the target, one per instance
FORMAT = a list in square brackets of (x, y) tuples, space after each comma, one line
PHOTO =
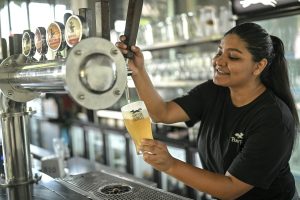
[(137, 122)]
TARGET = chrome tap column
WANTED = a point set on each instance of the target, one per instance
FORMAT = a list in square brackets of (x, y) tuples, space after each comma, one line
[(94, 74), (17, 162)]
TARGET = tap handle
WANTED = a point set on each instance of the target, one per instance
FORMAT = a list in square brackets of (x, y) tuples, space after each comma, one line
[(132, 24)]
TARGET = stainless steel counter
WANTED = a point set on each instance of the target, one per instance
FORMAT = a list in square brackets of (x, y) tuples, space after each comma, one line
[(79, 165), (100, 185), (88, 181), (46, 189)]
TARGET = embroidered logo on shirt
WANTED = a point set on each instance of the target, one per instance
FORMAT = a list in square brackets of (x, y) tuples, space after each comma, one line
[(237, 138)]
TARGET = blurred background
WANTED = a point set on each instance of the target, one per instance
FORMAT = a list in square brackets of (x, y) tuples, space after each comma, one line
[(178, 39)]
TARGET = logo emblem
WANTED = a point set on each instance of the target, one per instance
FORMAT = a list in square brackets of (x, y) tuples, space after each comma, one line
[(137, 114), (247, 3), (237, 138)]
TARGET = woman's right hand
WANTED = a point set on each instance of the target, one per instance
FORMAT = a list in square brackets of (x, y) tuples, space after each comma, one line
[(156, 154), (137, 62)]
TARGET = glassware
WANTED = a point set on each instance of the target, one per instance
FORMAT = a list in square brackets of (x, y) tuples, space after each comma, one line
[(209, 20), (177, 27), (170, 29), (59, 148), (185, 26), (137, 122), (195, 28), (159, 32), (225, 19)]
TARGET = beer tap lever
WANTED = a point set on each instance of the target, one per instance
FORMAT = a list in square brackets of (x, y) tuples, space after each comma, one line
[(132, 24)]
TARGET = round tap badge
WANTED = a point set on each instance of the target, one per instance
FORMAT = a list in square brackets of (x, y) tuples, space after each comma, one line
[(74, 30), (55, 37), (28, 48), (40, 40)]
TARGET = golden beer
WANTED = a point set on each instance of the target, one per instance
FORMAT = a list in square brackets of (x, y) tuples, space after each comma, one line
[(139, 129), (137, 122)]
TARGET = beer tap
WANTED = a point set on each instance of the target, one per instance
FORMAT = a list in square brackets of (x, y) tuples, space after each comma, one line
[(134, 12), (76, 29), (28, 46), (41, 43), (56, 38), (132, 24)]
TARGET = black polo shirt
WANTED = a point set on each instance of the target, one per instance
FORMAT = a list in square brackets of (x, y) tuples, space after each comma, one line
[(253, 142)]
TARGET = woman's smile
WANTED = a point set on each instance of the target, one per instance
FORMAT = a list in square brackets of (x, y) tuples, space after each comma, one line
[(221, 72)]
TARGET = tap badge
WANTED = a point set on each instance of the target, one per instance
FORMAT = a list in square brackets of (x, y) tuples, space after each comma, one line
[(72, 27), (54, 36), (137, 114), (74, 30), (247, 3), (26, 45), (52, 33)]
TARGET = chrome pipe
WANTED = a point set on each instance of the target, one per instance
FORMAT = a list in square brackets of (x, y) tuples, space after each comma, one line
[(94, 74), (16, 150), (24, 192), (36, 77)]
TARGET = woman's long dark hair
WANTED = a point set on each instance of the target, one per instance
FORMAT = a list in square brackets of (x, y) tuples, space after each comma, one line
[(275, 76)]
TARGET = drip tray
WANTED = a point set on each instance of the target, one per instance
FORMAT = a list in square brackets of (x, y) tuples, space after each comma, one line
[(100, 185), (115, 189)]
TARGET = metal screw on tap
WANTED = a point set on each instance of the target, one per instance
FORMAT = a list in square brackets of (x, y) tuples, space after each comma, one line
[(117, 92), (78, 52), (81, 96), (10, 92), (114, 51)]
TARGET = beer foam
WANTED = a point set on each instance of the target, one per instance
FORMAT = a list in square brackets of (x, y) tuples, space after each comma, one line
[(130, 115)]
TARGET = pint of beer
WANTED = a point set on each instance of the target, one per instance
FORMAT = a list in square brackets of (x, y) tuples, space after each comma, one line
[(137, 122)]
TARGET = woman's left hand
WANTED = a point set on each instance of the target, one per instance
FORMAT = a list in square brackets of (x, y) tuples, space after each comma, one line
[(156, 154)]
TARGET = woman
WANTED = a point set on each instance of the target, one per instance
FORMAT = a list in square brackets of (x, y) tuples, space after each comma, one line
[(248, 119)]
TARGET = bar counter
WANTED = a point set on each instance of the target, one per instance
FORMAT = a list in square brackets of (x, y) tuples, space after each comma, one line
[(84, 180)]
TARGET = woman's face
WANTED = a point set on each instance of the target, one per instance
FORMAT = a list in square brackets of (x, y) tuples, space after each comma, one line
[(233, 63)]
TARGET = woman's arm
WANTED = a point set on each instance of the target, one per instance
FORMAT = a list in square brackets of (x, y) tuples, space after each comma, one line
[(160, 111), (218, 185)]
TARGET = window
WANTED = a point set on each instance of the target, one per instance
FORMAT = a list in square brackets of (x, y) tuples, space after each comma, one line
[(41, 15), (5, 32), (18, 17)]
